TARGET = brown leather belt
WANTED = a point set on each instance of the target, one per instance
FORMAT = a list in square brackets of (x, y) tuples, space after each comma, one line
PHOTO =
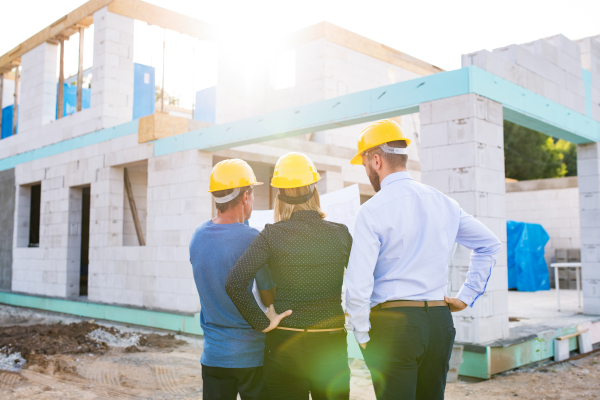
[(310, 330), (407, 303)]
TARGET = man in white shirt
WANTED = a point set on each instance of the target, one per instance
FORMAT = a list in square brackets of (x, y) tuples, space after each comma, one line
[(397, 275)]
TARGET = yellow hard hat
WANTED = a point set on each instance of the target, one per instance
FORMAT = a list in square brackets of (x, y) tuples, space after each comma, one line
[(376, 134), (231, 174), (294, 170)]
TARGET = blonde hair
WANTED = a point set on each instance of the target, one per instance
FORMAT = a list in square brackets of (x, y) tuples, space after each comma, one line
[(283, 211)]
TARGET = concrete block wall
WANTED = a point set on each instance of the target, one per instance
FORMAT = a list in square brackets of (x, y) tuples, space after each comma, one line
[(112, 71), (588, 170), (462, 155), (550, 67), (552, 203), (37, 102), (7, 218), (590, 59)]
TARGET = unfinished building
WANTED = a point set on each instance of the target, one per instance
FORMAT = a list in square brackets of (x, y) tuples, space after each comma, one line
[(101, 196)]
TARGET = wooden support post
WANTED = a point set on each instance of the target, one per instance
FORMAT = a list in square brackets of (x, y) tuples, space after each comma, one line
[(61, 81), (16, 107), (134, 213), (1, 95), (80, 71)]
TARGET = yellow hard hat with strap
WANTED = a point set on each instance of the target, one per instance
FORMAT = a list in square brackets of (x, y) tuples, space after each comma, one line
[(294, 170), (377, 134), (231, 174)]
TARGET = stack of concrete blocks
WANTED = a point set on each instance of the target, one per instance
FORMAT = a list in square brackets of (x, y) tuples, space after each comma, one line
[(550, 67), (590, 60), (552, 203), (138, 177), (37, 102), (462, 155)]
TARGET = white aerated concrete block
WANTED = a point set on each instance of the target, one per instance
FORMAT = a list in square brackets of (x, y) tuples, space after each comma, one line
[(561, 350)]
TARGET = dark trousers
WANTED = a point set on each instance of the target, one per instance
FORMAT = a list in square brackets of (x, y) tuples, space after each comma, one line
[(297, 363), (409, 351), (225, 383)]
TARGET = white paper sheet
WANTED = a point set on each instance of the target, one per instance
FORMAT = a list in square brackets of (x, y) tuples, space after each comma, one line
[(340, 206)]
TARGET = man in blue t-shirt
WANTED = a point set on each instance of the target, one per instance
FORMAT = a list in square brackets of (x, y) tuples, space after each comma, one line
[(233, 352)]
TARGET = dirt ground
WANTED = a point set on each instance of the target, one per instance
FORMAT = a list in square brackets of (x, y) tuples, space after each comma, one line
[(162, 366)]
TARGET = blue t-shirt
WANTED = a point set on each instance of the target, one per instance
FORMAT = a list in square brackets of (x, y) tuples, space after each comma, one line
[(229, 341)]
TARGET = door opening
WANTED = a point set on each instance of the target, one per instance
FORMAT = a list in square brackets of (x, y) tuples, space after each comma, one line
[(85, 242)]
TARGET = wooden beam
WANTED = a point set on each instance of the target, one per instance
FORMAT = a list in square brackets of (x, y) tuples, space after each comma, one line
[(61, 81), (134, 213), (164, 18), (80, 15), (80, 71), (16, 107)]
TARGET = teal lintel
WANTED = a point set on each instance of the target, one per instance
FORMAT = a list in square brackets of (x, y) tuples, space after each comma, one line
[(78, 142), (388, 101), (154, 319)]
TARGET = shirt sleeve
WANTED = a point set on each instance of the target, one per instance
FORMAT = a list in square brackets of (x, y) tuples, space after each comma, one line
[(485, 245), (359, 278), (244, 270), (264, 280)]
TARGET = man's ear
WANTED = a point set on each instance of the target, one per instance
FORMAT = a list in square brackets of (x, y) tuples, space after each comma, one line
[(377, 162)]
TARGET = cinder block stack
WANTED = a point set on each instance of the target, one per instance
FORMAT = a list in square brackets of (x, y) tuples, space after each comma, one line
[(462, 155), (550, 67)]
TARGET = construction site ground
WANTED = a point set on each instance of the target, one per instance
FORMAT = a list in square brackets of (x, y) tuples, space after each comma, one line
[(127, 362)]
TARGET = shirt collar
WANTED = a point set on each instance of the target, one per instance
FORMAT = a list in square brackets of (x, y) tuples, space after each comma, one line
[(305, 215), (396, 176)]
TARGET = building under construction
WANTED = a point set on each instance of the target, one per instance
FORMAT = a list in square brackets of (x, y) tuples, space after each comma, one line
[(103, 179)]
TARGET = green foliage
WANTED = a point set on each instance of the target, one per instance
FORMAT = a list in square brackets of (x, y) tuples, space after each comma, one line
[(532, 155), (172, 99)]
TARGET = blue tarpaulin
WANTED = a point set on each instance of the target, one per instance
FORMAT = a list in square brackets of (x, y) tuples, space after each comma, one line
[(527, 268), (144, 90), (206, 104), (7, 121), (70, 99)]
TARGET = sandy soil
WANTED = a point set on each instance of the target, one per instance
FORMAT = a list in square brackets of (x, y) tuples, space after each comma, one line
[(168, 368)]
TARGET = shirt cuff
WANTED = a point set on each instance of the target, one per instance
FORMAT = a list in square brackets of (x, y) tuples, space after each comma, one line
[(362, 337), (467, 295)]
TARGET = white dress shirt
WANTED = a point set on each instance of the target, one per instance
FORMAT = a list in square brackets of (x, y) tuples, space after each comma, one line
[(403, 238)]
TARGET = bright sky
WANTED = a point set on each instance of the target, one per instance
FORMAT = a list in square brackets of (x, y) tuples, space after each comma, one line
[(435, 31)]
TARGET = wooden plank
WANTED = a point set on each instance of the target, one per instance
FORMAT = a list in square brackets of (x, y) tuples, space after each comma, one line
[(571, 335), (16, 107), (79, 15), (134, 213), (61, 81), (80, 71), (155, 15)]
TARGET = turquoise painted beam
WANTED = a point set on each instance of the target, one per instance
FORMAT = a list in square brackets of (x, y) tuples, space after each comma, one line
[(154, 319), (369, 105), (70, 144), (521, 106)]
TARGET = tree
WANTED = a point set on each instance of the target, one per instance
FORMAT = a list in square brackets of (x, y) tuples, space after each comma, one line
[(532, 155), (173, 99)]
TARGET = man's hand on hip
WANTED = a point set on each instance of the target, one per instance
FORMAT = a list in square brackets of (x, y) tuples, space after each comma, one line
[(455, 304), (363, 345)]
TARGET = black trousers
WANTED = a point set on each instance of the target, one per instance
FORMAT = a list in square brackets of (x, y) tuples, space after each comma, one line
[(225, 383), (409, 351), (297, 363)]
